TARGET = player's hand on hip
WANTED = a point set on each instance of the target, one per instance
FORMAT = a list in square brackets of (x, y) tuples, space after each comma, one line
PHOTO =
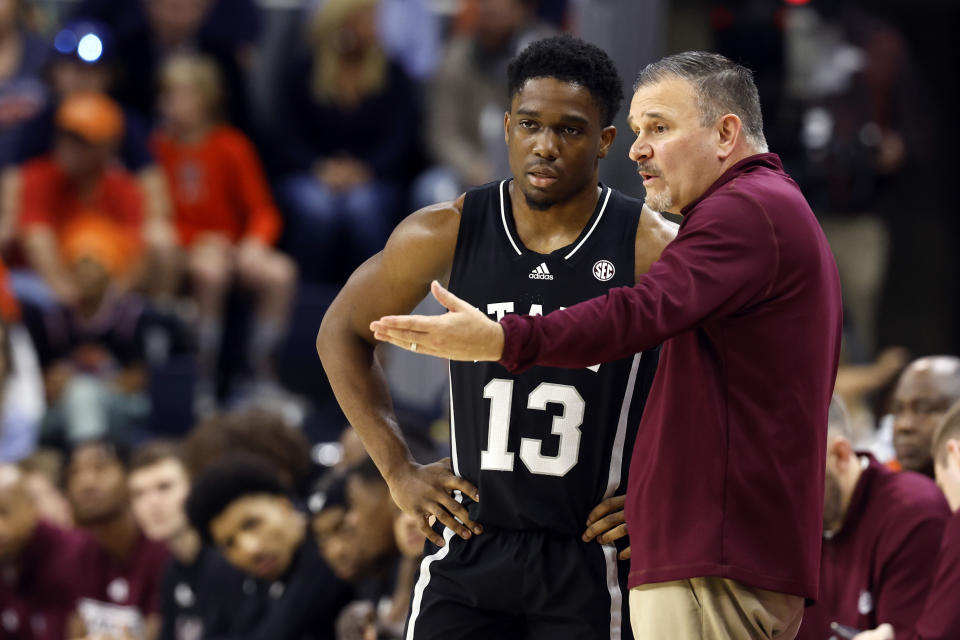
[(425, 491), (883, 632), (606, 523), (464, 333)]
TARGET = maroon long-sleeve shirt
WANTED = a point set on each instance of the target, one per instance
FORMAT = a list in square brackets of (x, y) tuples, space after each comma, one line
[(727, 472), (940, 619), (877, 568)]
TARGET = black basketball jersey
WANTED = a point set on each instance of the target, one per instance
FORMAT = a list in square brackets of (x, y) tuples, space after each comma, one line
[(546, 446)]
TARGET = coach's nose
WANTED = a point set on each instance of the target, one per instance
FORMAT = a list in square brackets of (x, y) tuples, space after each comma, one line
[(640, 150)]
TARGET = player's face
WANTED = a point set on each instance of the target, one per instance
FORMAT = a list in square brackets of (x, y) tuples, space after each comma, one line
[(406, 530), (675, 154), (96, 484), (369, 521), (259, 534), (920, 400), (157, 495), (555, 138)]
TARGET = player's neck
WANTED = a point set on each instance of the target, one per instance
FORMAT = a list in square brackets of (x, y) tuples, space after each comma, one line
[(546, 230), (185, 546), (117, 535)]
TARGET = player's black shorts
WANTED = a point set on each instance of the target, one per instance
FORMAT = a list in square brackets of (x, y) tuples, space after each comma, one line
[(515, 585)]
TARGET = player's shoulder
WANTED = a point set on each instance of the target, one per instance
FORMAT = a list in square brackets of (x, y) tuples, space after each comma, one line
[(432, 229)]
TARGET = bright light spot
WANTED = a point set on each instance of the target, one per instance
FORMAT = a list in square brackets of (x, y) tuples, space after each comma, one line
[(90, 48)]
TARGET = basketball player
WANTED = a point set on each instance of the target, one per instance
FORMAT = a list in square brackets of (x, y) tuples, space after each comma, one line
[(543, 447)]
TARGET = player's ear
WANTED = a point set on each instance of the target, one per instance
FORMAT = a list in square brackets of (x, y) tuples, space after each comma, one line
[(607, 136), (506, 127)]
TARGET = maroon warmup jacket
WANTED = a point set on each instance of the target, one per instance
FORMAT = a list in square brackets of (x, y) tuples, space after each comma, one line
[(39, 592), (940, 619), (878, 567), (727, 472)]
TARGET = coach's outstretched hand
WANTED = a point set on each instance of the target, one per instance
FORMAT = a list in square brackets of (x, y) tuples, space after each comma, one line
[(424, 491), (464, 333), (607, 523)]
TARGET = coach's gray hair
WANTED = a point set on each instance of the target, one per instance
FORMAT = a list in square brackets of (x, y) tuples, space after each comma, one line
[(838, 420), (721, 86)]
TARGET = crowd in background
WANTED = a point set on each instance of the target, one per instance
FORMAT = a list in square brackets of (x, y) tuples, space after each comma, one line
[(180, 200)]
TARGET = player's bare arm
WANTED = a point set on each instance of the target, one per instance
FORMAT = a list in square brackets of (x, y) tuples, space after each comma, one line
[(654, 233), (419, 251)]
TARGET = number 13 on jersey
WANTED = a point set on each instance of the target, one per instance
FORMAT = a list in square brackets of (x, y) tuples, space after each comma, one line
[(496, 457)]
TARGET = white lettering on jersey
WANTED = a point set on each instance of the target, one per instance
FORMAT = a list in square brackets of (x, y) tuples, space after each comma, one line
[(500, 308)]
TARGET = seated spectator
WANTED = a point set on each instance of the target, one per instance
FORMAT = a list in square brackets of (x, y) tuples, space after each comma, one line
[(125, 579), (385, 619), (200, 589), (80, 180), (175, 27), (91, 67), (224, 215), (236, 23), (21, 383), (23, 93), (97, 354), (468, 97), (366, 554), (240, 505), (940, 619), (43, 479), (253, 431), (351, 133), (926, 390), (42, 566), (410, 31), (881, 533)]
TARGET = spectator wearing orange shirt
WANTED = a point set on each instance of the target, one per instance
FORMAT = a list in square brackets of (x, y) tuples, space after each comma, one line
[(223, 211), (81, 183)]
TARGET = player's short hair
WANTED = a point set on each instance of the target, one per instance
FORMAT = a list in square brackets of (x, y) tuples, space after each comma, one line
[(154, 452), (570, 60), (116, 447), (255, 431), (838, 420), (226, 481), (949, 429), (721, 85)]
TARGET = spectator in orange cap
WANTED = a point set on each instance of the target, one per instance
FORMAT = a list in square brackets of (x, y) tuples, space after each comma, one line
[(223, 212), (81, 176)]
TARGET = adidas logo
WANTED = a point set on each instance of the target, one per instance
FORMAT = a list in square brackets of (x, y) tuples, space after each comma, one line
[(541, 273)]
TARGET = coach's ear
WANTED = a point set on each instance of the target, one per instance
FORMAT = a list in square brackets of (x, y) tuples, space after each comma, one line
[(607, 137)]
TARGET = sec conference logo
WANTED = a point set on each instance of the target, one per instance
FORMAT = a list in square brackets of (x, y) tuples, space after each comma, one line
[(603, 270)]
